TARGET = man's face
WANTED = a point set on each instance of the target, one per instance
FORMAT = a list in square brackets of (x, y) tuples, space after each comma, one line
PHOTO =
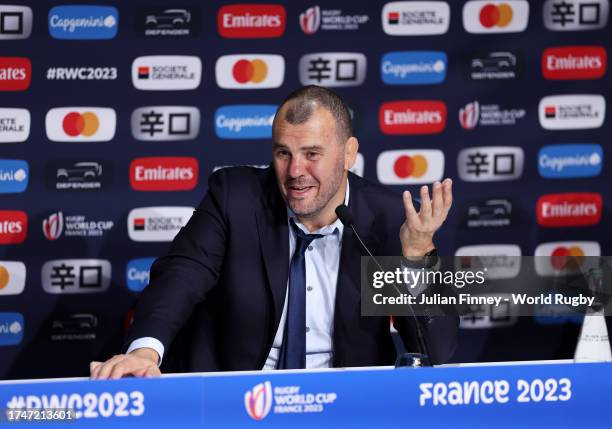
[(309, 162)]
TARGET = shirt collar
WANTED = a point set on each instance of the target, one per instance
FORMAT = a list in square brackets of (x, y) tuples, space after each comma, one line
[(336, 226)]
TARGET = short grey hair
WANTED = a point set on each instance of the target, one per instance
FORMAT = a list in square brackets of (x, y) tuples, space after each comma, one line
[(302, 102)]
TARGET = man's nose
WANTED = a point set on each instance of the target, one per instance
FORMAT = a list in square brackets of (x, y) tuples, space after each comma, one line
[(296, 167)]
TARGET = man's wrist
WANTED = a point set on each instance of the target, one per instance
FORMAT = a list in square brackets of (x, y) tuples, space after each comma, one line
[(415, 253), (146, 353)]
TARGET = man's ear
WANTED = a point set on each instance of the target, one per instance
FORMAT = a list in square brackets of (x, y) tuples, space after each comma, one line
[(351, 147)]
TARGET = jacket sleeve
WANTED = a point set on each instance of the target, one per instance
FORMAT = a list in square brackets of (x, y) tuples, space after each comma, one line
[(182, 278), (440, 326)]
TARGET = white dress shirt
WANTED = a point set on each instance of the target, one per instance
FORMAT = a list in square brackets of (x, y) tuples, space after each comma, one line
[(322, 265)]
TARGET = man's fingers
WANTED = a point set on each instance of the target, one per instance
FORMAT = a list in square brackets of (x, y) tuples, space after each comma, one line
[(106, 369), (95, 372), (425, 211), (437, 201), (148, 371), (93, 365), (447, 191), (121, 365), (411, 213)]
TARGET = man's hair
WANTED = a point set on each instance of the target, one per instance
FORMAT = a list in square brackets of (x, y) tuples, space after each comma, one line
[(302, 102)]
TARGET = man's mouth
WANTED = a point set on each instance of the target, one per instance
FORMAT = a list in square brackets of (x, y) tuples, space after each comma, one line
[(296, 191)]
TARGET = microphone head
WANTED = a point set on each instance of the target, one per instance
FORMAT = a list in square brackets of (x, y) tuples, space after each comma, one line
[(344, 215)]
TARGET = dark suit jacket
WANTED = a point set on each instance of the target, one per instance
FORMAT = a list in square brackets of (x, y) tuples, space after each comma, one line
[(222, 284)]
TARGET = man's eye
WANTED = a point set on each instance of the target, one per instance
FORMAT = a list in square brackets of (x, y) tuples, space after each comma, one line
[(282, 153), (312, 155)]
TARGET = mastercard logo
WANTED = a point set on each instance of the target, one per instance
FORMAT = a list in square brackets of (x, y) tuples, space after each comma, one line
[(4, 277), (492, 15), (410, 166), (564, 258), (81, 124), (405, 167), (254, 71), (250, 71)]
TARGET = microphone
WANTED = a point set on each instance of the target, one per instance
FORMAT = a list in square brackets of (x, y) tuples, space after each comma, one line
[(346, 217)]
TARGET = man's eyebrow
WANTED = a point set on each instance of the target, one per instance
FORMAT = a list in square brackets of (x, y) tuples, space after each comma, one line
[(277, 145), (313, 147)]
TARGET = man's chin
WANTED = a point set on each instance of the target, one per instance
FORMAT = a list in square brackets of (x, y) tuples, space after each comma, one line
[(303, 210)]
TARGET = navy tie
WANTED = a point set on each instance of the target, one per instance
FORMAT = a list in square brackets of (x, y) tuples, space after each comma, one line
[(293, 351)]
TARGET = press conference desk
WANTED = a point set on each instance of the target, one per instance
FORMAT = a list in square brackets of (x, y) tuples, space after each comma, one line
[(512, 395)]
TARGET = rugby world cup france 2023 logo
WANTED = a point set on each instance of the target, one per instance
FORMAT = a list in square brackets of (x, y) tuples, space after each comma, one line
[(258, 400)]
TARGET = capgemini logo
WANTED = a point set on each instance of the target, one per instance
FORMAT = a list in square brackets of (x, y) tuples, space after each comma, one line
[(110, 21), (53, 226), (15, 328), (258, 401), (310, 20)]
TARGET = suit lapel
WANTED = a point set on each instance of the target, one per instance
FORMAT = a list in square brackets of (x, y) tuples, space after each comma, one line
[(274, 242), (348, 287)]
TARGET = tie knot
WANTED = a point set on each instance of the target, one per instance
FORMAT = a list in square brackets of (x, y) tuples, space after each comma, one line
[(302, 239)]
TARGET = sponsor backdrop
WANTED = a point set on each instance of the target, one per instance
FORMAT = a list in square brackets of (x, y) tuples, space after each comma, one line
[(112, 116)]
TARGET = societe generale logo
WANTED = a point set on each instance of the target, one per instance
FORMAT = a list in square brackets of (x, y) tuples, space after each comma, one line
[(250, 71), (166, 72), (569, 209), (574, 62), (157, 223), (415, 18), (14, 125), (13, 226), (402, 167), (12, 277), (164, 174), (500, 261), (566, 257), (251, 21), (15, 73), (81, 124), (412, 117), (495, 16), (572, 112), (258, 400)]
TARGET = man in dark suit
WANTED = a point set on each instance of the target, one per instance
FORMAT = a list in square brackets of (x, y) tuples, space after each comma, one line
[(265, 276)]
